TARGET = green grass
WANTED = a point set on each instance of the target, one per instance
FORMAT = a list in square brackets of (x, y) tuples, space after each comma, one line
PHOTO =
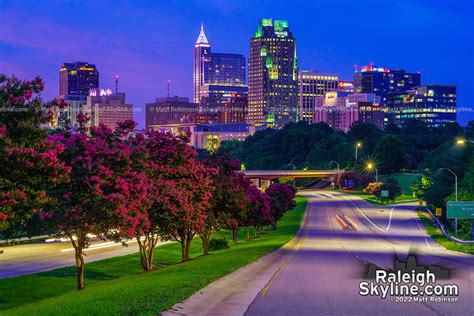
[(118, 286), (437, 235), (405, 180)]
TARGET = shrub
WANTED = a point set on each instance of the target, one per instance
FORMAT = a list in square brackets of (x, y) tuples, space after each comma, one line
[(218, 244)]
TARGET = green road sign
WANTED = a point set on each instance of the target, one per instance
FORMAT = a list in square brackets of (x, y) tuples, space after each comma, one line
[(464, 209), (384, 193)]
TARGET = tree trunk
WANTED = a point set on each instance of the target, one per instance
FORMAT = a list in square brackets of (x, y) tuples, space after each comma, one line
[(235, 236), (255, 231), (185, 248), (79, 256), (205, 242), (248, 232), (80, 267), (147, 252)]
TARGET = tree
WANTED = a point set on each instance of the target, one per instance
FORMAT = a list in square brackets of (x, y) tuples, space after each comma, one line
[(348, 179), (389, 154), (82, 207), (282, 199), (30, 165), (221, 201), (259, 213)]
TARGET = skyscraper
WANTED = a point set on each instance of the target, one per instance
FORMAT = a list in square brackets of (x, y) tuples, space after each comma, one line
[(433, 104), (273, 75), (382, 81), (311, 85), (216, 75), (77, 78)]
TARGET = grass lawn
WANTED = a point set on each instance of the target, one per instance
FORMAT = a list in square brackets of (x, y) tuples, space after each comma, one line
[(405, 180), (437, 235), (371, 198), (118, 285)]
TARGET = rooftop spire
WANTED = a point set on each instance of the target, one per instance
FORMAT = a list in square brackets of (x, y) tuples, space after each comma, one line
[(202, 39)]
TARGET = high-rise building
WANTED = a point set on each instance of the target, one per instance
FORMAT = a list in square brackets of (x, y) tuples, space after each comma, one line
[(216, 75), (382, 81), (169, 110), (341, 110), (108, 108), (77, 78), (311, 85), (433, 104), (273, 75)]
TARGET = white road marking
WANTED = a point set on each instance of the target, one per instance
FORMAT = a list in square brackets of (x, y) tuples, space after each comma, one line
[(370, 221)]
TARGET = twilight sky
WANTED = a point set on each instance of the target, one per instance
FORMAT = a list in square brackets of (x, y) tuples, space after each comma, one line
[(149, 42)]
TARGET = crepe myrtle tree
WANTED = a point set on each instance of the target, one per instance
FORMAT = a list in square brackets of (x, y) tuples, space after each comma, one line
[(282, 199), (223, 197), (95, 160), (259, 212), (30, 165)]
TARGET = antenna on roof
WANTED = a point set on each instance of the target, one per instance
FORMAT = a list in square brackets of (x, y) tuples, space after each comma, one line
[(116, 83)]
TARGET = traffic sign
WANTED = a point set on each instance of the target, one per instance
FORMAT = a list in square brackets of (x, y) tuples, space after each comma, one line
[(438, 211), (384, 193), (464, 209)]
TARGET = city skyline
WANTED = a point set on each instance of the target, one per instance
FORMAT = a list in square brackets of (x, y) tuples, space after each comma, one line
[(163, 49)]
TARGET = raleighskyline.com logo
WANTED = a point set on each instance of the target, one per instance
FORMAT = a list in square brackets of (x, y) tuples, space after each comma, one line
[(409, 283)]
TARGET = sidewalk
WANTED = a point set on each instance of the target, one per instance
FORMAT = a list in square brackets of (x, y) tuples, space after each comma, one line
[(233, 293)]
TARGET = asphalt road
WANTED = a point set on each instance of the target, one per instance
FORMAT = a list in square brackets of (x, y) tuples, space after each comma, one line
[(39, 257), (323, 276)]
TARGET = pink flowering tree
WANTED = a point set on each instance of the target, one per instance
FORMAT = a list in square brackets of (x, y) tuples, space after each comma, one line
[(259, 212), (96, 160), (30, 165)]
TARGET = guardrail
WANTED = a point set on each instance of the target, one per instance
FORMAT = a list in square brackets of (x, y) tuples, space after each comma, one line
[(445, 233), (20, 240)]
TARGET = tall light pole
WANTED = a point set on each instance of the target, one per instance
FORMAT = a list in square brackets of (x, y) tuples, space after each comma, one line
[(294, 168), (337, 167), (462, 141), (456, 190), (371, 166), (357, 146)]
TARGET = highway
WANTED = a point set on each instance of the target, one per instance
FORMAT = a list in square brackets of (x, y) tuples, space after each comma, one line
[(323, 275), (44, 256)]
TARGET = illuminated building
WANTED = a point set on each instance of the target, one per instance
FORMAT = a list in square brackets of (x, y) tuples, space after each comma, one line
[(169, 110), (234, 110), (209, 136), (108, 108), (433, 104), (77, 78), (346, 86), (312, 84), (341, 110), (273, 75), (216, 75), (382, 81)]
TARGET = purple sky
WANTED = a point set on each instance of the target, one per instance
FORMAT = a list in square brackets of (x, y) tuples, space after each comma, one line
[(149, 42)]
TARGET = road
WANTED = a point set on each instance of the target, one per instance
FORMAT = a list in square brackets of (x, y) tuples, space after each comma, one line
[(39, 257), (323, 275)]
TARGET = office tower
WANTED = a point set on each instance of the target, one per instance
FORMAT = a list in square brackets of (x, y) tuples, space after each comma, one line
[(108, 108), (77, 78), (234, 110), (273, 75), (216, 75), (341, 110), (433, 104), (169, 110), (382, 81), (312, 84)]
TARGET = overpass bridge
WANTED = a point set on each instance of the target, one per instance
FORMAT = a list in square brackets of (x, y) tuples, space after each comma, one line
[(263, 178)]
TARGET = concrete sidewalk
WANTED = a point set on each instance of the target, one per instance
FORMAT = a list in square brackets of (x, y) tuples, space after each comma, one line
[(233, 293)]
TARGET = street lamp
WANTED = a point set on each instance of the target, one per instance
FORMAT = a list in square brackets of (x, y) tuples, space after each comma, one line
[(456, 189), (357, 146), (371, 166), (463, 141)]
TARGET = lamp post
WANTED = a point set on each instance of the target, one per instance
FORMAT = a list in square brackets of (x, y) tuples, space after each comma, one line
[(371, 166), (456, 190), (337, 168), (357, 146), (294, 168), (461, 142)]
